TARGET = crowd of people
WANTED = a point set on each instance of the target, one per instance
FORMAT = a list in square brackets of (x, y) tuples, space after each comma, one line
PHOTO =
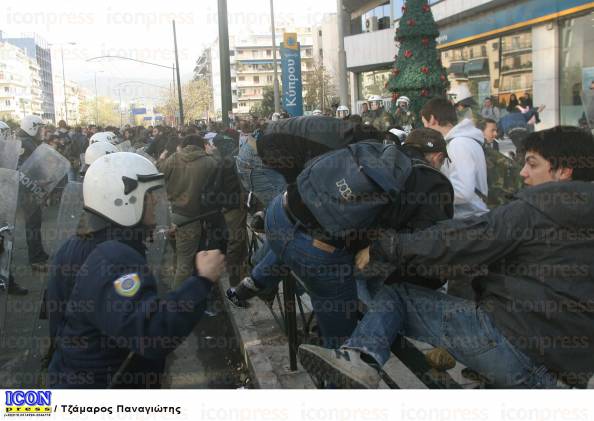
[(380, 208)]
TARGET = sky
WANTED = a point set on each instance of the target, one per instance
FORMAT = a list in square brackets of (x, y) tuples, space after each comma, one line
[(141, 29)]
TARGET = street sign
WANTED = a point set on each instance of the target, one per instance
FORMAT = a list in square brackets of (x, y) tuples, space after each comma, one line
[(291, 75), (138, 111)]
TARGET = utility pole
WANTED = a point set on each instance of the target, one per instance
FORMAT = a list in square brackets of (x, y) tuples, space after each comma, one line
[(64, 80), (277, 106), (342, 68), (179, 92), (226, 97), (96, 103)]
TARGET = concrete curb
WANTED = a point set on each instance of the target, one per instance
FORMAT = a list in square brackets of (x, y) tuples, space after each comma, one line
[(264, 345)]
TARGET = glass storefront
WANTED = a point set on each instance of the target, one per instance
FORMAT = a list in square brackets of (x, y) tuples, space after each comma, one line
[(498, 68), (373, 83), (577, 71)]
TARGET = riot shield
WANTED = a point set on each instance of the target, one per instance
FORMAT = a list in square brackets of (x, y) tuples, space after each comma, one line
[(71, 208), (9, 187), (40, 174), (10, 150), (125, 147), (157, 245)]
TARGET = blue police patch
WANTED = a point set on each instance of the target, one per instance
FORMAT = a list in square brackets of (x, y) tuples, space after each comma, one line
[(127, 285)]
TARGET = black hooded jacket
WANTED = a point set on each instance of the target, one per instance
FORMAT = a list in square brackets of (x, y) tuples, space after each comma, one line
[(531, 264)]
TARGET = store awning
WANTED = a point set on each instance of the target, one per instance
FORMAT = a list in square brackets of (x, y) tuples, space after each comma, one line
[(457, 68), (478, 66)]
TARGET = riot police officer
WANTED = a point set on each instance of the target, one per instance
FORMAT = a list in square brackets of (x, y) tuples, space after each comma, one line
[(111, 328)]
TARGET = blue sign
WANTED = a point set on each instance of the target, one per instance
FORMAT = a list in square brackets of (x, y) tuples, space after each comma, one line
[(292, 82), (138, 111), (515, 13)]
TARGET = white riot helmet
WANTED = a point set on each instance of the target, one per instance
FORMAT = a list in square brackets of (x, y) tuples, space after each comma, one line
[(103, 137), (402, 99), (4, 130), (96, 151), (375, 100), (460, 94), (343, 112), (31, 124), (115, 187), (276, 117), (316, 112)]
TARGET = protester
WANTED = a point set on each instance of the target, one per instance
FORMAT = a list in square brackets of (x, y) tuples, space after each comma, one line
[(529, 326), (466, 168), (490, 111), (309, 229), (186, 173)]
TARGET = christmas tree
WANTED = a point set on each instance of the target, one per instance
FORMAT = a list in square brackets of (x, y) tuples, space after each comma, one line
[(418, 72)]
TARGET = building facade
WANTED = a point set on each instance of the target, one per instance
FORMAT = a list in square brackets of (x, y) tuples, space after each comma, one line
[(38, 50), (20, 83), (252, 68), (66, 103), (325, 48), (498, 48)]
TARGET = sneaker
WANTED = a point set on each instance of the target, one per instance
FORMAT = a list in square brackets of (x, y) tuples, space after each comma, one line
[(232, 297), (16, 289), (343, 368), (247, 289), (440, 359)]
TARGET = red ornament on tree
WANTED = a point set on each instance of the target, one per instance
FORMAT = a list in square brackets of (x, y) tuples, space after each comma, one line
[(425, 69), (395, 72), (411, 22), (404, 9), (443, 78), (425, 41), (424, 92), (408, 54), (426, 8)]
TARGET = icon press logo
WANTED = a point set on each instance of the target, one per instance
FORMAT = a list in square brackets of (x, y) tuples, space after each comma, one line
[(29, 402)]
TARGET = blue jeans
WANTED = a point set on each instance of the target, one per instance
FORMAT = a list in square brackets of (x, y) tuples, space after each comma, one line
[(327, 273), (457, 325), (264, 182)]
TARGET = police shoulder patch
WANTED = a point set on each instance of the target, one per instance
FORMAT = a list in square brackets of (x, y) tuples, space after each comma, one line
[(127, 285)]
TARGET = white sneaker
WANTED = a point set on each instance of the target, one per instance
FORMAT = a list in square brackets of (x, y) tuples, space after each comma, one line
[(342, 368)]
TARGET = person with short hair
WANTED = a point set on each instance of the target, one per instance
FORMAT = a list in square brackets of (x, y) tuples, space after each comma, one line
[(467, 168), (186, 173), (530, 265), (490, 111)]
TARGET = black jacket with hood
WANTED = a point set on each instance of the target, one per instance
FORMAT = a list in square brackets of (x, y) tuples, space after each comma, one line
[(531, 263)]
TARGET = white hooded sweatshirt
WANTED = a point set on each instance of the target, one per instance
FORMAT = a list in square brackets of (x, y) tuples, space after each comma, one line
[(467, 169)]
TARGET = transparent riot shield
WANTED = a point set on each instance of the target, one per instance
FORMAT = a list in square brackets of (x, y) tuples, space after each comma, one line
[(71, 208), (10, 150), (9, 187), (156, 246), (40, 174), (125, 147)]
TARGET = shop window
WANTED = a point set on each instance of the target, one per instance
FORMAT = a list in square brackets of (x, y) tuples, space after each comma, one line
[(577, 71), (494, 68), (373, 83)]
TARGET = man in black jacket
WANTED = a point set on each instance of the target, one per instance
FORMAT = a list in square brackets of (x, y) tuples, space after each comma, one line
[(300, 224), (530, 264)]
